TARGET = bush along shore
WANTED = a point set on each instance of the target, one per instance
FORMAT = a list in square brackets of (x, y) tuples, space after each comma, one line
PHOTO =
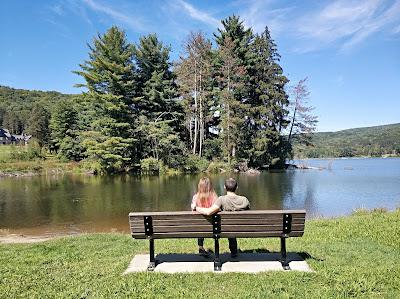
[(355, 256)]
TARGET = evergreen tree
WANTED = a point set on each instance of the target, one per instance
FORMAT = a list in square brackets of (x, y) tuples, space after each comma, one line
[(241, 37), (268, 101), (12, 122), (109, 76), (156, 84), (65, 138), (156, 100), (231, 75), (38, 124)]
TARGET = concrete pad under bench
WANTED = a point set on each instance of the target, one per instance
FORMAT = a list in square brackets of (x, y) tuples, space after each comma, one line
[(245, 263)]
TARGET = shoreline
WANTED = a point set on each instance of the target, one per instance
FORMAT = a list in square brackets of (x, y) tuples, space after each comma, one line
[(21, 238)]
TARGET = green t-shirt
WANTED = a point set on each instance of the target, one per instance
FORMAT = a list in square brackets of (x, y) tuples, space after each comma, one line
[(232, 203)]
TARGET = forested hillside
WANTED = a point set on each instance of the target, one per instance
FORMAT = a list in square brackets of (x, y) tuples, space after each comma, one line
[(370, 141), (18, 107)]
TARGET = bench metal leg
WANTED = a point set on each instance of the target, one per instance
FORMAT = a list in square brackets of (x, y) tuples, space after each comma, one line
[(217, 261), (152, 263), (284, 261)]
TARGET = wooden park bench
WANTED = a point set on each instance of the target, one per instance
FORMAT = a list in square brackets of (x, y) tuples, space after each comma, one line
[(242, 224)]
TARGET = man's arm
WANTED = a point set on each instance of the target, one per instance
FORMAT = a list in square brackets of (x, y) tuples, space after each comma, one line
[(208, 211)]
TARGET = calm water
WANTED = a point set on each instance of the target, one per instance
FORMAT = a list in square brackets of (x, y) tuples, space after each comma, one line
[(72, 204)]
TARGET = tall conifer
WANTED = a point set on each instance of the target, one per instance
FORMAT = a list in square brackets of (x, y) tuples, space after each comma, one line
[(110, 83)]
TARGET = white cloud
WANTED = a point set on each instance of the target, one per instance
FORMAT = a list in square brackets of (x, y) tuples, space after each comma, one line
[(259, 14), (345, 22), (132, 21), (197, 14), (57, 9), (396, 30)]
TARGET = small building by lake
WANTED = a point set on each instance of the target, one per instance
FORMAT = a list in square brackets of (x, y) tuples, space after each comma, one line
[(7, 138)]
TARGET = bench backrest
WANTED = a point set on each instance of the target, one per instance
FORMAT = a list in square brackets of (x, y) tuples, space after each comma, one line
[(245, 224)]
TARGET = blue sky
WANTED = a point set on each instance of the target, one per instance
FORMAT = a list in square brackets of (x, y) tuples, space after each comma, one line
[(349, 50)]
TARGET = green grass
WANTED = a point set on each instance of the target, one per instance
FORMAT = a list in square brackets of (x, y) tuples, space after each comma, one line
[(50, 163), (356, 256)]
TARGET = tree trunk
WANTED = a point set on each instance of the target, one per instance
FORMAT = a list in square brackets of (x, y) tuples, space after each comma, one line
[(195, 110), (201, 125), (293, 120)]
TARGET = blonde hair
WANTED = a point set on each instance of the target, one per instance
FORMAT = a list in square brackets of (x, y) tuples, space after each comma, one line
[(205, 191)]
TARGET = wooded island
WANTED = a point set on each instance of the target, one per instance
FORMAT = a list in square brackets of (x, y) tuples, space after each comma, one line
[(224, 102)]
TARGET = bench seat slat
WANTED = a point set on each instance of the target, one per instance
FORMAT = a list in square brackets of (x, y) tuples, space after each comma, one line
[(223, 235), (178, 213), (223, 222), (227, 217), (226, 228)]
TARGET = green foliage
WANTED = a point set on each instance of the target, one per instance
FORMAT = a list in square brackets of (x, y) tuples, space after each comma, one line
[(268, 112), (213, 149), (27, 153), (16, 106), (38, 124), (352, 257), (226, 103), (150, 165), (194, 163), (108, 137), (370, 141), (218, 167), (65, 136)]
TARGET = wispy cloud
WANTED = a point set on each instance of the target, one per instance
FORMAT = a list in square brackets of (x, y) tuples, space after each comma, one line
[(396, 30), (132, 21), (345, 23), (57, 9), (197, 14), (258, 13)]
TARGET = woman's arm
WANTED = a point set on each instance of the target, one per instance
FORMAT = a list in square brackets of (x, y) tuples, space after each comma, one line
[(208, 211), (193, 204)]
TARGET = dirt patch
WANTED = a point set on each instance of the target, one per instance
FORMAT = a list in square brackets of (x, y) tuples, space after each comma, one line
[(22, 239)]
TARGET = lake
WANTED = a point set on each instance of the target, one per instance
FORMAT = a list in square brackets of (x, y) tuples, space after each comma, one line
[(72, 204)]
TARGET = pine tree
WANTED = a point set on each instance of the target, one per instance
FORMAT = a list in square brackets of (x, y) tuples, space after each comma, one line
[(12, 122), (65, 137), (38, 124), (233, 111), (109, 76), (156, 84), (241, 37), (268, 101), (156, 101)]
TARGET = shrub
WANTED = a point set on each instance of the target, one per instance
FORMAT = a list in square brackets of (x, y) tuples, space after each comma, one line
[(30, 152), (151, 165), (194, 163)]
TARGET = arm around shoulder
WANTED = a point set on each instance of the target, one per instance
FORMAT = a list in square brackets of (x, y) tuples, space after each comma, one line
[(208, 211)]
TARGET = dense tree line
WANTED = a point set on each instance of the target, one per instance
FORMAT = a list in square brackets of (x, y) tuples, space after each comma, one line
[(224, 100), (368, 142)]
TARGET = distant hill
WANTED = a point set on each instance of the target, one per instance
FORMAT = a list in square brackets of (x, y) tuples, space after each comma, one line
[(16, 105), (370, 141)]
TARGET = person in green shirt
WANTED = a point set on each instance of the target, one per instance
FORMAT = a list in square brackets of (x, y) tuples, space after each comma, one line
[(229, 202)]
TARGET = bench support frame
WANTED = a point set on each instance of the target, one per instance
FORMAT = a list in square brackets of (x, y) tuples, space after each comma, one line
[(284, 261), (216, 220), (152, 263), (148, 226)]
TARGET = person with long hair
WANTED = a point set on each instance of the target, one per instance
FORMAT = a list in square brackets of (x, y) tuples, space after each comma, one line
[(204, 198)]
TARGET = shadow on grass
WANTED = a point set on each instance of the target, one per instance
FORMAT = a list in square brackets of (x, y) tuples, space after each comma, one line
[(255, 255), (307, 256)]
